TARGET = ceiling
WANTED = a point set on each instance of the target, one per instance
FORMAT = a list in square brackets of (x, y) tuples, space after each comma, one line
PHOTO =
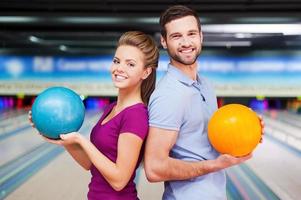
[(92, 27)]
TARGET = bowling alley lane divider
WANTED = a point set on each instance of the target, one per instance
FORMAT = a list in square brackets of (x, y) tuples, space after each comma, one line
[(8, 122), (287, 117), (13, 126), (8, 134), (295, 122), (5, 113), (243, 183), (282, 134), (17, 171), (281, 143), (233, 193), (11, 113)]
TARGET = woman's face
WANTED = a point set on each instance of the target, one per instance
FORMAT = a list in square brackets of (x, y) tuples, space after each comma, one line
[(128, 67)]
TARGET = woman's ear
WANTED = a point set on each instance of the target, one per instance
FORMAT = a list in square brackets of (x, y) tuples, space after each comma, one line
[(147, 72)]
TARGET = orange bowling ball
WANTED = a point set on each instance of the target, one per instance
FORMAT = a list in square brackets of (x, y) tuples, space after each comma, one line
[(234, 129)]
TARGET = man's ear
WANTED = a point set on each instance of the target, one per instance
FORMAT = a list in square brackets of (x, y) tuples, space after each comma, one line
[(163, 42), (201, 35)]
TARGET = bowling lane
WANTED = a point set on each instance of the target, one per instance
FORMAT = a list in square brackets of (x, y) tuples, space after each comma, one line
[(25, 154), (13, 124), (272, 173), (61, 179), (286, 117), (17, 145), (12, 116), (20, 138), (10, 113), (147, 190), (278, 167), (283, 131)]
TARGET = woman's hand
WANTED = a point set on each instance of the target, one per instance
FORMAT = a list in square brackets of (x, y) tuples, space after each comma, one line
[(66, 139), (30, 119)]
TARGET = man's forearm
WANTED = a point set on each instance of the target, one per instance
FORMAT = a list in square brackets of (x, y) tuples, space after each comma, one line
[(175, 169)]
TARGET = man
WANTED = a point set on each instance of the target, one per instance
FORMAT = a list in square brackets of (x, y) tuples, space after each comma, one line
[(177, 149)]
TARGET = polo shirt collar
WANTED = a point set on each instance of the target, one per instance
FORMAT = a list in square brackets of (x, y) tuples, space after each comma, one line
[(180, 76)]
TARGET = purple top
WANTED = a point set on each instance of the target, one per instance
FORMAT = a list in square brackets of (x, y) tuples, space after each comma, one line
[(132, 119)]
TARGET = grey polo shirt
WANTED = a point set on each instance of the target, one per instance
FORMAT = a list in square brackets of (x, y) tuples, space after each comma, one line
[(184, 105)]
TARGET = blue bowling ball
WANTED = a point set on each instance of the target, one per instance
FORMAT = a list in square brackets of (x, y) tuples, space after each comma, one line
[(57, 110)]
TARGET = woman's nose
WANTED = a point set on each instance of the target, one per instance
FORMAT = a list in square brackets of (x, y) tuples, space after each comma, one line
[(120, 67)]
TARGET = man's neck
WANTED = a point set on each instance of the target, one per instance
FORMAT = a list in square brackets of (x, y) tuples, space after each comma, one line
[(188, 70)]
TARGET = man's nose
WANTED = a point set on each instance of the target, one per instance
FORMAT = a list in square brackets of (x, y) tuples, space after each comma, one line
[(185, 41)]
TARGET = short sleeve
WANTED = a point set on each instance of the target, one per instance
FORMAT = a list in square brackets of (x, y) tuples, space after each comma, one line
[(135, 121), (166, 111)]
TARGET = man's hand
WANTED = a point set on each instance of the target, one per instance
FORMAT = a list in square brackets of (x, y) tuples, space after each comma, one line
[(226, 160)]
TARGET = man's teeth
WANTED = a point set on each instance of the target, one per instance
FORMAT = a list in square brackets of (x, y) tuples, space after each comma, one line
[(187, 51)]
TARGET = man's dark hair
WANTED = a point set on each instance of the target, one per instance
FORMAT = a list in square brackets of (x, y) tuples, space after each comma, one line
[(176, 12)]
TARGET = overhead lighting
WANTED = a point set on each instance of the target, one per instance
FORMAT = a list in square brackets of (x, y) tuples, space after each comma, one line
[(285, 29), (63, 48), (228, 44), (148, 20), (17, 19), (155, 20), (34, 39), (260, 20), (243, 35), (94, 20)]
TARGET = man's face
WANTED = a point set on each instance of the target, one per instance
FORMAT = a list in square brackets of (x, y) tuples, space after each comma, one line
[(183, 40)]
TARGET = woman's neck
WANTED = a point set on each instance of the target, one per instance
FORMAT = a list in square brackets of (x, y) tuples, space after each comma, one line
[(128, 97)]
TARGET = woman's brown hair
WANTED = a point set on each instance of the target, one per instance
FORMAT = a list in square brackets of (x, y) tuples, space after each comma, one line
[(148, 47)]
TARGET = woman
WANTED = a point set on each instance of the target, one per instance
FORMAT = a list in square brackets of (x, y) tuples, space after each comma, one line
[(116, 141)]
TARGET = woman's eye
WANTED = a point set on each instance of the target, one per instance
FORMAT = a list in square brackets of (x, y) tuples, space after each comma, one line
[(115, 61), (131, 64)]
